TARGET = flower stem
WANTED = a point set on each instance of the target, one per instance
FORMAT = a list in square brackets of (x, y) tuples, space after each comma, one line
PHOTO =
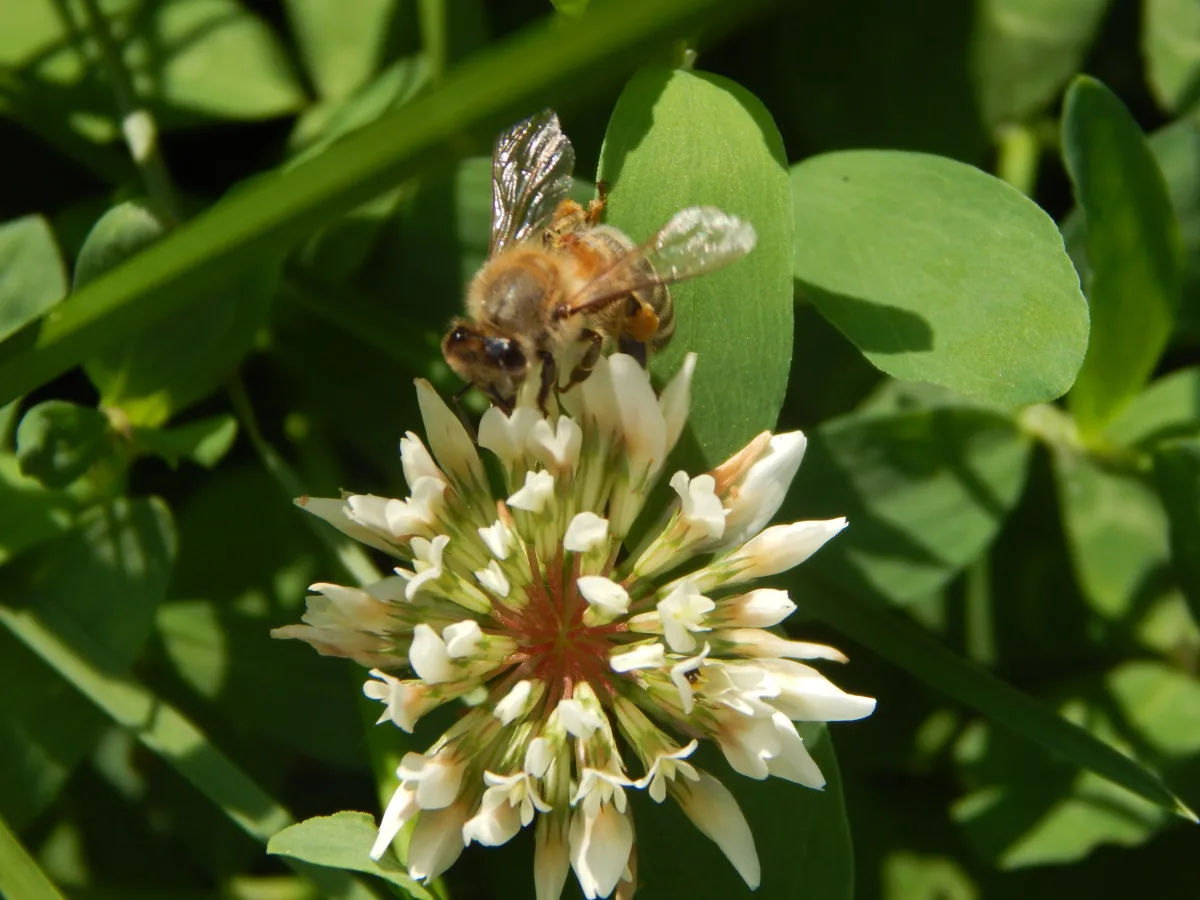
[(352, 557), (137, 124)]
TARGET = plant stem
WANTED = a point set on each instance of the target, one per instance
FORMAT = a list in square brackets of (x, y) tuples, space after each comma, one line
[(137, 124), (349, 554), (1020, 153)]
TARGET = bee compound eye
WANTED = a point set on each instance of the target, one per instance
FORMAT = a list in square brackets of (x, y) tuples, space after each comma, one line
[(457, 335), (506, 354)]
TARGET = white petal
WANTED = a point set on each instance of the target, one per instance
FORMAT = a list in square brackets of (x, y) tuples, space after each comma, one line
[(508, 436), (493, 579), (808, 696), (762, 608), (401, 808), (603, 593), (701, 509), (337, 514), (644, 656), (436, 842), (551, 859), (679, 673), (416, 461), (587, 531), (676, 398), (579, 720), (642, 423), (793, 762), (497, 537), (448, 439), (493, 825), (462, 638), (557, 446), (513, 703), (682, 612), (713, 809), (760, 493), (538, 756), (600, 848), (369, 511), (781, 547), (537, 491), (755, 642), (428, 656)]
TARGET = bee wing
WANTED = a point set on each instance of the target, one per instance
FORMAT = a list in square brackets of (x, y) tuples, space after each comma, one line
[(531, 172), (697, 240)]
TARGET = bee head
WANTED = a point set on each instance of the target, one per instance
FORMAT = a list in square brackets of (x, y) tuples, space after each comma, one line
[(494, 363)]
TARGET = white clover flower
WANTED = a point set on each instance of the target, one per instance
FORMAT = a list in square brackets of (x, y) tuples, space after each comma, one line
[(597, 676)]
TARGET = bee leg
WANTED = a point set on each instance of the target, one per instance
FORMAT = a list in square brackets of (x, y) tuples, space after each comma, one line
[(636, 349), (462, 413), (595, 209), (588, 361), (549, 377)]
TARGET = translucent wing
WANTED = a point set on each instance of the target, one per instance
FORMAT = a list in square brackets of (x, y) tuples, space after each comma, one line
[(531, 172), (697, 240)]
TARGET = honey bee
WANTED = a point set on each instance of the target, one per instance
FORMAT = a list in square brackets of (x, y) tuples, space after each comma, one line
[(557, 283)]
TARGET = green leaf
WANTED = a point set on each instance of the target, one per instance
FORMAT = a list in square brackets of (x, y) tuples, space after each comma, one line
[(223, 61), (908, 254), (913, 650), (173, 364), (925, 491), (1171, 48), (342, 841), (158, 726), (1026, 50), (1176, 147), (1028, 809), (108, 575), (571, 7), (802, 835), (57, 441), (32, 279), (1177, 476), (20, 876), (204, 442), (679, 139), (1117, 533), (555, 61), (1133, 247), (341, 43), (29, 514), (1169, 407)]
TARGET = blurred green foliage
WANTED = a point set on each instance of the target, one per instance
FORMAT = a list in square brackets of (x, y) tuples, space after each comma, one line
[(231, 232)]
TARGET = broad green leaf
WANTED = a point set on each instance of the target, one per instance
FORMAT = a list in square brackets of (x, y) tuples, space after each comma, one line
[(161, 728), (1169, 407), (223, 62), (29, 514), (108, 575), (20, 876), (554, 61), (1026, 50), (189, 59), (342, 841), (679, 139), (278, 693), (909, 254), (167, 367), (1028, 809), (1171, 48), (341, 43), (802, 835), (57, 441), (1176, 148), (1133, 247), (1177, 476), (925, 491), (1117, 532), (204, 442), (103, 580), (571, 7), (32, 279), (910, 648)]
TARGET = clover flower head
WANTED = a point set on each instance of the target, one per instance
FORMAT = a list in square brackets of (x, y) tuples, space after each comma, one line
[(526, 592)]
